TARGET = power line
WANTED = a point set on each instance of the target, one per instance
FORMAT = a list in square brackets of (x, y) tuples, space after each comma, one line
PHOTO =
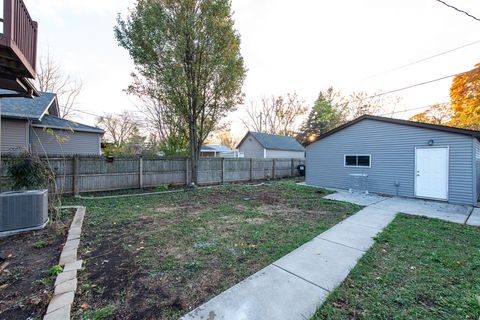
[(420, 60), (423, 107), (459, 10)]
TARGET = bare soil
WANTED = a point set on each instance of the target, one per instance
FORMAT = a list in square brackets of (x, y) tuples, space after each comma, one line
[(25, 284)]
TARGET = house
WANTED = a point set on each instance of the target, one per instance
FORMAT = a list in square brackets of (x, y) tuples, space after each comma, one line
[(398, 157), (263, 145), (33, 125), (219, 150), (18, 49)]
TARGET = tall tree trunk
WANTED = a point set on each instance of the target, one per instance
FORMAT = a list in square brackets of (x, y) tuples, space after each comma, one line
[(194, 154)]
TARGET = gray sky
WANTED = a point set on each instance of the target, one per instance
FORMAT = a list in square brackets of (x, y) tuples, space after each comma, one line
[(302, 45)]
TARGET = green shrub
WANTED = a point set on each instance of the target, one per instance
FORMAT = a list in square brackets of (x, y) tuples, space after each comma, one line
[(55, 270)]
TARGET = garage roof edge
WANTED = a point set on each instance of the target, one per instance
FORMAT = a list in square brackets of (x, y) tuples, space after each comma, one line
[(472, 133)]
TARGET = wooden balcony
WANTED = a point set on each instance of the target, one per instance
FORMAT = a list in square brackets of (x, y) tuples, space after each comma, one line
[(18, 47)]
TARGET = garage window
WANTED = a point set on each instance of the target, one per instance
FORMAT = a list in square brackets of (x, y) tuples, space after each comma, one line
[(357, 160)]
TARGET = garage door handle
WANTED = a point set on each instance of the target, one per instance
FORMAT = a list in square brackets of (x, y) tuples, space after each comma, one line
[(418, 173)]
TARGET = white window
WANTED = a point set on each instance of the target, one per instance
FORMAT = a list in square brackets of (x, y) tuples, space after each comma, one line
[(357, 160)]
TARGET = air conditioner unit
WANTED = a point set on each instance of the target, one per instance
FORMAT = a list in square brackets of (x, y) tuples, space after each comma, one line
[(23, 211)]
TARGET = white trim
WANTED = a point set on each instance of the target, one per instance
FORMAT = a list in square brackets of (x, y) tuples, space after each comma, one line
[(447, 171), (264, 153), (46, 109), (356, 155)]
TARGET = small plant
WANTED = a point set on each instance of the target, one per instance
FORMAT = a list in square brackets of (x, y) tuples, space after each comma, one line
[(40, 244), (55, 270), (98, 314)]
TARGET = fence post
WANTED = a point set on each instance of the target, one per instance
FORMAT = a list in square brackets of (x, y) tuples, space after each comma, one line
[(75, 176), (140, 173), (273, 169), (186, 171), (251, 169), (223, 170), (292, 167)]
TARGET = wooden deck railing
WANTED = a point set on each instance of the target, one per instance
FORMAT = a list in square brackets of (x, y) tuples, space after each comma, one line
[(19, 34)]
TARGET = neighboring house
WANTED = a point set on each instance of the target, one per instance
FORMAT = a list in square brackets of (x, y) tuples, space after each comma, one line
[(33, 125), (400, 157), (263, 145), (219, 150)]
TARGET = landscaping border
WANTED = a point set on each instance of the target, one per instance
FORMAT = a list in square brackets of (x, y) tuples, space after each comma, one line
[(66, 282)]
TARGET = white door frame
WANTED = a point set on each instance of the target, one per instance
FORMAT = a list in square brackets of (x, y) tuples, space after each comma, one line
[(447, 169)]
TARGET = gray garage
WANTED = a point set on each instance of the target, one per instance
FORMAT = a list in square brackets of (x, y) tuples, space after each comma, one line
[(398, 157)]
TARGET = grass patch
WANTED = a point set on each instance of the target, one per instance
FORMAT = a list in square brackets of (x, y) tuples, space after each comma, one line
[(419, 268), (159, 256)]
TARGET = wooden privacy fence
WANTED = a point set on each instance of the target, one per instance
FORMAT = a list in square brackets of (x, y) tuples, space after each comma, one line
[(96, 173)]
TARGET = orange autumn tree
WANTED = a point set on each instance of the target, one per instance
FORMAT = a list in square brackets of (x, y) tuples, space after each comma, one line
[(440, 113), (465, 99)]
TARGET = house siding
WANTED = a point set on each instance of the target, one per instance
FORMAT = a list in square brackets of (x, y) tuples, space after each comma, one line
[(58, 142), (392, 149), (251, 148), (270, 153), (14, 136), (476, 148)]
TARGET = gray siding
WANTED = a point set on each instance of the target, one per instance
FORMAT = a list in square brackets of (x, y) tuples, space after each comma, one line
[(57, 142), (14, 136), (284, 154), (392, 149), (476, 149), (251, 148)]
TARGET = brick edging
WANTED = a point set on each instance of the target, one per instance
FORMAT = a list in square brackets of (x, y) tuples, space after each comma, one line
[(66, 282)]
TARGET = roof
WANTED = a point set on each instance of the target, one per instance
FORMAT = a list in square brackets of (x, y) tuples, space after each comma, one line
[(25, 108), (275, 142), (53, 122), (215, 147), (472, 133)]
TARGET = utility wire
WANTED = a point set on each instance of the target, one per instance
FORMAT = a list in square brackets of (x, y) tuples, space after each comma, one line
[(423, 107), (459, 10), (420, 60)]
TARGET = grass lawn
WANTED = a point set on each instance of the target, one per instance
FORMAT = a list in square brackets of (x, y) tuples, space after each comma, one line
[(419, 268), (160, 256)]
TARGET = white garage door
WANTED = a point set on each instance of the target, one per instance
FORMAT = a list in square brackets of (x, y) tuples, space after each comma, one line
[(431, 172)]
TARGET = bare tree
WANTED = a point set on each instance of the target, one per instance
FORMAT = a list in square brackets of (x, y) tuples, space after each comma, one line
[(276, 115), (118, 127), (161, 122), (362, 103), (51, 78)]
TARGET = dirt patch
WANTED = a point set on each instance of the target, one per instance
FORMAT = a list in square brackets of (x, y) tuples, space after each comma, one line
[(25, 285)]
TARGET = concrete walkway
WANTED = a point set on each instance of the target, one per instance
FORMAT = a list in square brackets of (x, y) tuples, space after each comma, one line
[(432, 209), (294, 286)]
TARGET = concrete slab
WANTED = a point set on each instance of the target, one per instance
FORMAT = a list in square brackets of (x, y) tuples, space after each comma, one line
[(77, 265), (67, 286), (61, 301), (357, 198), (65, 276), (351, 235), (59, 314), (69, 256), (372, 217), (474, 219), (271, 293), (432, 209), (321, 262)]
